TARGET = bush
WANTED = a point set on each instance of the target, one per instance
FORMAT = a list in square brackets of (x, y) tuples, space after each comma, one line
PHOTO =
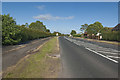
[(10, 32), (76, 35), (112, 36), (14, 34)]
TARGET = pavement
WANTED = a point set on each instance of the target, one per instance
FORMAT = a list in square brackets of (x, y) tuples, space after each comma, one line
[(12, 54), (88, 59)]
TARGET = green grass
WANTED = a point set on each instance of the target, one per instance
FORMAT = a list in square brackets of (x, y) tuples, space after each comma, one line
[(37, 65)]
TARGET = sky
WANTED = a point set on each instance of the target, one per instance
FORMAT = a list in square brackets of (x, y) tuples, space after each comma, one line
[(63, 16)]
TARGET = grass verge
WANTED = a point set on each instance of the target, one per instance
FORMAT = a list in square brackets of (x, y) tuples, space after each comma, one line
[(39, 65)]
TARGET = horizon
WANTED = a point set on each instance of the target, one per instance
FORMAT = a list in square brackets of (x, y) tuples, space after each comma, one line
[(69, 16)]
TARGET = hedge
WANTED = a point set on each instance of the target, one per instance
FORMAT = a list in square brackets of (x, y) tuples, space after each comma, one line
[(14, 34), (76, 35), (111, 36)]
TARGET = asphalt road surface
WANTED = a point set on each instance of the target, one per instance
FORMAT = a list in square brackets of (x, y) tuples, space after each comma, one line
[(84, 59), (12, 54)]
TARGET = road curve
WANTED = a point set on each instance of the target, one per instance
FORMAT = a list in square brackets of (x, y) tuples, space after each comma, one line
[(78, 62)]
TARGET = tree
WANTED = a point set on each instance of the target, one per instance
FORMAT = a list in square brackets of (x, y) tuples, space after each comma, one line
[(106, 29), (26, 25), (54, 33), (10, 32), (14, 34), (73, 32), (47, 30), (84, 27), (94, 28), (23, 26), (38, 25)]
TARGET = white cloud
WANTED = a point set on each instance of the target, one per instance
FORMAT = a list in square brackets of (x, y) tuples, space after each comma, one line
[(41, 7), (50, 17)]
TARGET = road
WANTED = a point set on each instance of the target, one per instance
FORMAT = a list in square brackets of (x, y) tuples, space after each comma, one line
[(12, 54), (84, 59)]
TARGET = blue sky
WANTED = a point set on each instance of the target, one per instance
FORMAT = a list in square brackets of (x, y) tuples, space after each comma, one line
[(63, 17)]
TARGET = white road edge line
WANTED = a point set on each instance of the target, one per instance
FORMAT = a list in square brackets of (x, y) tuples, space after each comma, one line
[(103, 55)]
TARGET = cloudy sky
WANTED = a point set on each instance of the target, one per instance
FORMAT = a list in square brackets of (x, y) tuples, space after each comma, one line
[(63, 16)]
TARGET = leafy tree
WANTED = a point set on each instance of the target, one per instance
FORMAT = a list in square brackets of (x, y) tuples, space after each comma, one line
[(84, 27), (26, 25), (38, 25), (13, 34), (94, 28), (47, 30), (106, 32), (73, 32), (66, 35), (98, 26), (106, 29), (10, 32), (23, 26), (54, 33)]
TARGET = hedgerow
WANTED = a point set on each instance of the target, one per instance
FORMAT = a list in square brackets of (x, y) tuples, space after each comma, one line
[(14, 34), (111, 36)]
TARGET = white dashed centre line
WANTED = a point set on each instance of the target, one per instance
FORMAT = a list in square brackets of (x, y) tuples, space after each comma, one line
[(114, 57)]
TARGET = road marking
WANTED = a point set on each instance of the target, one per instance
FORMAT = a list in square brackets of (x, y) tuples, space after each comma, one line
[(113, 56), (106, 49), (103, 55), (107, 52)]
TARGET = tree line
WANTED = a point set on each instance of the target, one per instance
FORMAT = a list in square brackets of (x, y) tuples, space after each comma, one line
[(91, 31), (14, 34)]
